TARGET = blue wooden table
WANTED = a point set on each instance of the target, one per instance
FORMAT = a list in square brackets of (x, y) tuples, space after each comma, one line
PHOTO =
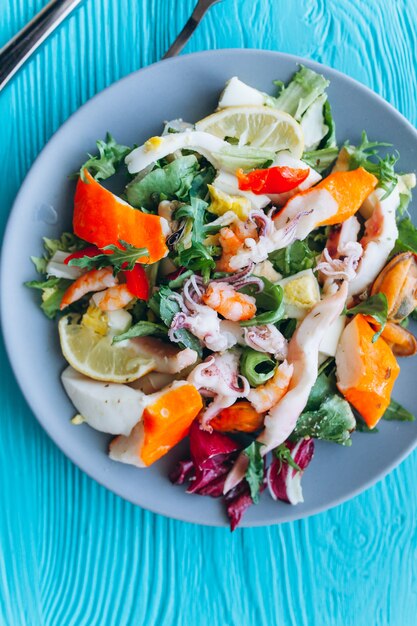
[(71, 553)]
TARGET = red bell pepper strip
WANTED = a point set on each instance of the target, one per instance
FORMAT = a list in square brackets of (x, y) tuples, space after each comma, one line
[(271, 180), (137, 282), (88, 251)]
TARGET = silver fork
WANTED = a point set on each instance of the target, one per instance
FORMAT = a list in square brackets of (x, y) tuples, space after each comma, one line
[(24, 44), (197, 15)]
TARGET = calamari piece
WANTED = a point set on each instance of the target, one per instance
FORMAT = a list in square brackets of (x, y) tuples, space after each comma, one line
[(218, 377), (268, 339)]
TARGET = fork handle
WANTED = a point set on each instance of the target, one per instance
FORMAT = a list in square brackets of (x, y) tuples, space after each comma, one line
[(20, 48), (197, 15)]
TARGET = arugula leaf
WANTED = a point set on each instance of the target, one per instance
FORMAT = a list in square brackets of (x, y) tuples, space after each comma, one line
[(166, 307), (173, 181), (205, 176), (175, 283), (283, 453), (303, 89), (192, 252), (332, 421), (120, 258), (53, 290), (377, 307), (407, 237), (255, 470), (111, 154), (142, 329), (270, 299), (324, 387), (366, 155), (294, 258), (396, 412), (320, 159)]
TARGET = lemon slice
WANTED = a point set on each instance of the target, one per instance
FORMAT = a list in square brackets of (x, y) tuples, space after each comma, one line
[(256, 126), (93, 355)]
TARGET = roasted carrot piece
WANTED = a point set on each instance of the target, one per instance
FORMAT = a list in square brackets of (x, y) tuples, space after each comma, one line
[(168, 420), (102, 218), (349, 189), (366, 371), (240, 417)]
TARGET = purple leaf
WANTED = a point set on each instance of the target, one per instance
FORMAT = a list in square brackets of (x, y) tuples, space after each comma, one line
[(284, 480)]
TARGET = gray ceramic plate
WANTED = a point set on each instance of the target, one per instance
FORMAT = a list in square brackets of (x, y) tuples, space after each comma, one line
[(133, 109)]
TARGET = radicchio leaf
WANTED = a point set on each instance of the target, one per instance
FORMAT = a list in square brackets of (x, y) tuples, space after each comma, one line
[(283, 477), (238, 500), (212, 457)]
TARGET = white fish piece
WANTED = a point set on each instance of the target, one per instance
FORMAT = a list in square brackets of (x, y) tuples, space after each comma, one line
[(56, 266), (381, 233), (284, 159), (159, 147), (238, 93), (168, 359), (227, 182), (303, 352), (331, 339), (108, 407)]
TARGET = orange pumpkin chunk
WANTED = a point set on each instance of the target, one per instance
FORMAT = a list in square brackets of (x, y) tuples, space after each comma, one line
[(241, 417), (168, 420), (366, 371), (102, 218)]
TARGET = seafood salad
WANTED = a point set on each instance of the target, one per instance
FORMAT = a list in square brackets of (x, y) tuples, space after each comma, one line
[(244, 284)]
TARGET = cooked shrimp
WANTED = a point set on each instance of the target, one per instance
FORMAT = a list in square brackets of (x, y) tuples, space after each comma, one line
[(232, 240), (266, 396), (114, 298), (231, 304), (94, 280)]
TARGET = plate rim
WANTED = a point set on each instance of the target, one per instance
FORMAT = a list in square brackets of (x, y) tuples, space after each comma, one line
[(46, 426)]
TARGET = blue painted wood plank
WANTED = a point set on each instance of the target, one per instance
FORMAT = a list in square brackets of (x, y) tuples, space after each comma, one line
[(73, 554)]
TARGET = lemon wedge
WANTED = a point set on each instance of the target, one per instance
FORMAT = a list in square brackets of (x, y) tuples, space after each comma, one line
[(256, 126), (94, 355)]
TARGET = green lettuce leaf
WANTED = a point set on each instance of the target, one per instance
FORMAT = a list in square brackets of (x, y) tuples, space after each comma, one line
[(329, 141), (321, 159), (300, 93), (270, 300), (407, 237), (173, 181), (53, 290), (244, 157)]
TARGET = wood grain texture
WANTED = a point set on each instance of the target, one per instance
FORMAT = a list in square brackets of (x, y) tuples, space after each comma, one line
[(73, 554)]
